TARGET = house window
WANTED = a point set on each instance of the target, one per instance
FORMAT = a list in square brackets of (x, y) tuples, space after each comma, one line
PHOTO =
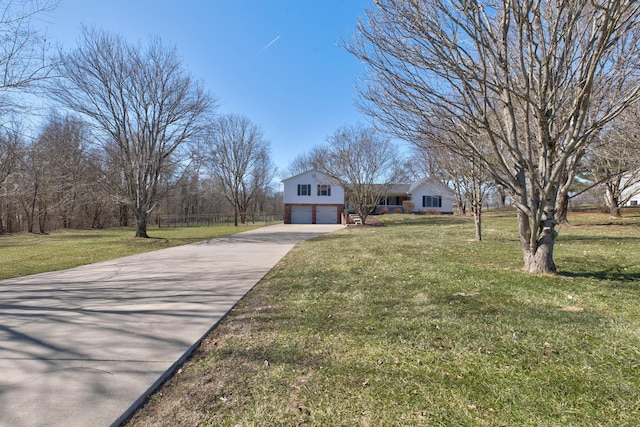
[(634, 203), (431, 201), (324, 190), (304, 189)]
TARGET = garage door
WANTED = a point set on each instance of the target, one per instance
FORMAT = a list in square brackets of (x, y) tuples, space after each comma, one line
[(326, 215), (301, 215)]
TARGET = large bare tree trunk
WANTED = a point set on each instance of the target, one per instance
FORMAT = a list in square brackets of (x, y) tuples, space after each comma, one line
[(235, 214), (30, 208), (538, 254), (615, 211), (141, 225), (43, 214), (542, 260), (502, 196), (562, 208), (31, 218), (460, 200), (562, 201)]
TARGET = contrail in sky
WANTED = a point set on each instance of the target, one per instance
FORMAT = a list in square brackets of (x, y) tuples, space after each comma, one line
[(267, 46)]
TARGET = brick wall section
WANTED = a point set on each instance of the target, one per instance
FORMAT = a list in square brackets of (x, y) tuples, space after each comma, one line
[(287, 214)]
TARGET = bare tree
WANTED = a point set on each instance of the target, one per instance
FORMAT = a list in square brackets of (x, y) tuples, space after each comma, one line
[(23, 49), (144, 107), (8, 147), (614, 160), (470, 180), (47, 173), (8, 144), (62, 147), (30, 172), (363, 161), (520, 73), (599, 101), (14, 154), (476, 184), (617, 190), (239, 157), (23, 63), (94, 201), (431, 160)]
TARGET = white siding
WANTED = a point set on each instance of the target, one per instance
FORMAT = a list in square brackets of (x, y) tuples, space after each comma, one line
[(635, 198), (431, 187), (313, 178)]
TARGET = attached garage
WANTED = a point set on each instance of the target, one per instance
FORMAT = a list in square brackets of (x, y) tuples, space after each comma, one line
[(312, 197), (326, 215), (301, 214)]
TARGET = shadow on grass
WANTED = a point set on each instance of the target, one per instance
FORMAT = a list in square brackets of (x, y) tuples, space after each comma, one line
[(613, 273), (81, 236), (425, 220), (622, 222), (512, 311), (598, 238)]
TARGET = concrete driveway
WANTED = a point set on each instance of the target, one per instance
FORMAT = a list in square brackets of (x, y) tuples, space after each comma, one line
[(83, 347)]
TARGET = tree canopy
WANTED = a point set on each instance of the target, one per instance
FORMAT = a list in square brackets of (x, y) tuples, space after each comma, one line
[(144, 106)]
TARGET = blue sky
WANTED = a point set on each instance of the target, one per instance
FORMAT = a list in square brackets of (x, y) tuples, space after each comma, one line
[(275, 61)]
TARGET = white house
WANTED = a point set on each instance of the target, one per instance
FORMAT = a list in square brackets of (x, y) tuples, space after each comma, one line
[(428, 195), (431, 195), (632, 192), (312, 198)]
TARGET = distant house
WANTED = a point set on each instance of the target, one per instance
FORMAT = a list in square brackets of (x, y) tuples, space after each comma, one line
[(633, 194), (312, 197), (427, 195)]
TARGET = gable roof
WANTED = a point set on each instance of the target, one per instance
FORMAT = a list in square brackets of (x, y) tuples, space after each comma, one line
[(305, 173), (402, 189), (431, 181), (396, 189), (399, 189)]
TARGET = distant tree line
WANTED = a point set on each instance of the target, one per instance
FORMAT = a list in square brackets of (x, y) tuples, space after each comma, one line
[(131, 137), (58, 181)]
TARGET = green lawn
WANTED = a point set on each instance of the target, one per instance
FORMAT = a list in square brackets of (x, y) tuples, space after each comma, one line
[(23, 254), (416, 324)]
